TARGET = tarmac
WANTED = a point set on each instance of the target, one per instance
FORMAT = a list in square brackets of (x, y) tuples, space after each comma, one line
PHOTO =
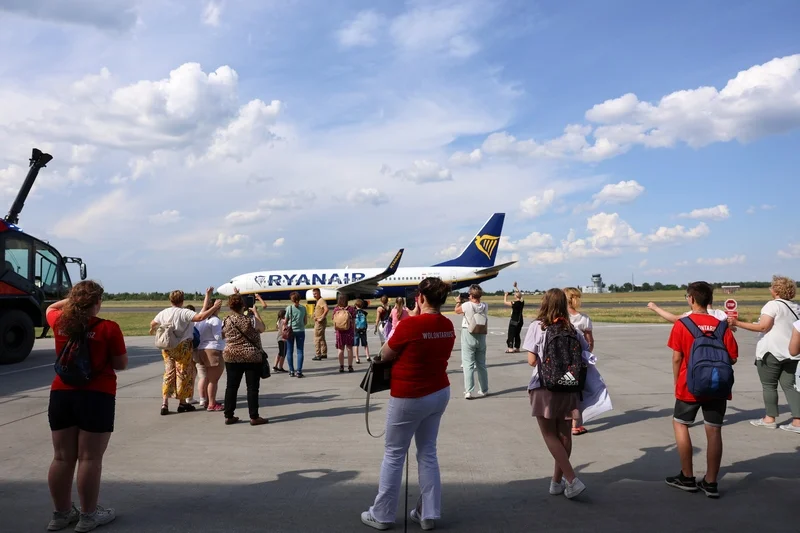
[(313, 468)]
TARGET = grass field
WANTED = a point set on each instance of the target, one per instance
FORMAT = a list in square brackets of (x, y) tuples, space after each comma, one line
[(750, 303)]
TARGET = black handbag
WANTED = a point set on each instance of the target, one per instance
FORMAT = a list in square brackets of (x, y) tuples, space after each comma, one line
[(265, 369), (377, 379)]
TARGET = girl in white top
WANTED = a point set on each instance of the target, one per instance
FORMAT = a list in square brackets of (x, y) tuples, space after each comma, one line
[(774, 361), (210, 350), (582, 323)]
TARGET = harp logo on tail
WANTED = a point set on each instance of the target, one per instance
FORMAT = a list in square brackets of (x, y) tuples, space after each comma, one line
[(487, 244)]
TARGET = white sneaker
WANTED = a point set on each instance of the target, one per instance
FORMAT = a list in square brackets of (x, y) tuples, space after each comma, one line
[(789, 427), (426, 525), (557, 488), (99, 517), (574, 489), (760, 423), (482, 394), (63, 520), (468, 396), (192, 401), (369, 520)]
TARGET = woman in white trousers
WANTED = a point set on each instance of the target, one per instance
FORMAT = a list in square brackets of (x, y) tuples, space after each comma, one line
[(420, 391)]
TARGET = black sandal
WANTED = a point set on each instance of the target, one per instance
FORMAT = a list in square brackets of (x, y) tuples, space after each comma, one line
[(341, 369), (164, 410), (186, 408), (350, 369)]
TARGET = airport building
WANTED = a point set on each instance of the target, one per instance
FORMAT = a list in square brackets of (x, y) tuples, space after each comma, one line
[(596, 287)]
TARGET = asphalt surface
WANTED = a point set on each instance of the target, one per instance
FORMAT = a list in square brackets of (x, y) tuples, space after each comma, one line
[(314, 468)]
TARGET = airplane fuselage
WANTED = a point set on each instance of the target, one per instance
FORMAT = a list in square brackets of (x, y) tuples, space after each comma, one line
[(279, 284)]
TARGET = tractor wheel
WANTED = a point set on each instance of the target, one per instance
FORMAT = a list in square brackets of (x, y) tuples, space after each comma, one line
[(16, 336)]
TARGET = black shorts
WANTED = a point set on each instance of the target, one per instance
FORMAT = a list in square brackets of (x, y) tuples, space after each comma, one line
[(713, 412), (89, 410), (281, 348), (361, 338)]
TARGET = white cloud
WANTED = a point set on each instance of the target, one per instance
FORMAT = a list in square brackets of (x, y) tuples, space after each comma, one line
[(226, 239), (282, 203), (723, 261), (82, 154), (767, 207), (643, 263), (367, 196), (431, 29), (448, 252), (682, 263), (664, 235), (719, 212), (751, 210), (466, 159), (422, 171), (278, 242), (659, 272), (99, 220), (535, 206), (792, 251), (11, 179), (760, 101), (165, 217), (507, 259), (118, 15), (619, 193), (245, 218), (533, 241), (250, 129), (362, 30), (609, 235), (212, 13)]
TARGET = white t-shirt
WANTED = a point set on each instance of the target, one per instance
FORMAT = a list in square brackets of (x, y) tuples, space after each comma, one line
[(477, 309), (581, 321), (181, 320), (776, 341), (719, 314), (211, 334)]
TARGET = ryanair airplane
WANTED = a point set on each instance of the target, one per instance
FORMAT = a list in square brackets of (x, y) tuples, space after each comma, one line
[(474, 265)]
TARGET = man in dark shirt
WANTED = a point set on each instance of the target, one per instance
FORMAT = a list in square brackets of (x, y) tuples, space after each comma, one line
[(515, 324)]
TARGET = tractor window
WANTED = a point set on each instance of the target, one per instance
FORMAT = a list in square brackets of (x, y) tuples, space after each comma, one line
[(17, 255), (46, 265)]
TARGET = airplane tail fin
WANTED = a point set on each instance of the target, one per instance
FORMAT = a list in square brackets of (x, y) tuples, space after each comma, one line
[(482, 251)]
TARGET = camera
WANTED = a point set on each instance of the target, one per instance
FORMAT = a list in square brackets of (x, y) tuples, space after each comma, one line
[(463, 296)]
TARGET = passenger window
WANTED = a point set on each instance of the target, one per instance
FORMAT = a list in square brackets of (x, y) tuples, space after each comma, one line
[(17, 256)]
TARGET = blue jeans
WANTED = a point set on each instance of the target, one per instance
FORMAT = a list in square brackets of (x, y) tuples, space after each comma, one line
[(299, 337)]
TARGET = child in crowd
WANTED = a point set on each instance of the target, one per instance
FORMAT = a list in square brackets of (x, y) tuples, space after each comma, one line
[(582, 323), (554, 410), (681, 341), (281, 359), (361, 328)]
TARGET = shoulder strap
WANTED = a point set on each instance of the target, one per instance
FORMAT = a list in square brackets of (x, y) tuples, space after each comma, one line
[(719, 333), (789, 307), (692, 327), (371, 373)]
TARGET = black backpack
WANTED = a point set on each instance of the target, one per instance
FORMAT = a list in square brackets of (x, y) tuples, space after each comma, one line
[(561, 364), (74, 362)]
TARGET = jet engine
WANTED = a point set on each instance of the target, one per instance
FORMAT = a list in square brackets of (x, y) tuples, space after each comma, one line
[(329, 295)]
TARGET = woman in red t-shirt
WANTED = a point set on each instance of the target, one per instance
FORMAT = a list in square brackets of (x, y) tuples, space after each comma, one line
[(82, 418), (420, 392)]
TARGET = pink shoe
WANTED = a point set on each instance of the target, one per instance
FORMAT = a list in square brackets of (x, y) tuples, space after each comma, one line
[(217, 407)]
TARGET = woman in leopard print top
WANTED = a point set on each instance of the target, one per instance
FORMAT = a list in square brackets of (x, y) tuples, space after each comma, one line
[(242, 357)]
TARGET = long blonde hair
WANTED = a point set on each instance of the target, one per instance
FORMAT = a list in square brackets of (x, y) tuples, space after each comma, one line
[(574, 296), (399, 306)]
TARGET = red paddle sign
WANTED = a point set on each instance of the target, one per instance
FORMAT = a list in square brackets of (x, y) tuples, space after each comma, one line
[(731, 308)]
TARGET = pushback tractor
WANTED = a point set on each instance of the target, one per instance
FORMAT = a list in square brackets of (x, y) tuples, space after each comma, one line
[(33, 275)]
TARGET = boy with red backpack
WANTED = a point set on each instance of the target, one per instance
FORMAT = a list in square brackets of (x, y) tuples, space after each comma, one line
[(704, 351)]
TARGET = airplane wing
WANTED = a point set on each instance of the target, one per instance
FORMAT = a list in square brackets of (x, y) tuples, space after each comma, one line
[(494, 269), (370, 285)]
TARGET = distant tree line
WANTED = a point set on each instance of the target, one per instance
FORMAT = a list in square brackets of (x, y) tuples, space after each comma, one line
[(149, 296), (657, 286)]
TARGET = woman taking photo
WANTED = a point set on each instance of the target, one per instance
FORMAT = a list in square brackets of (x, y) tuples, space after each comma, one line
[(420, 390), (515, 322), (473, 345), (297, 319), (774, 362), (242, 355), (211, 364), (82, 418), (554, 411)]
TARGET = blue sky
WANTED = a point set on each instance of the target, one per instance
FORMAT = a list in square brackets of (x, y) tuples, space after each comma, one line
[(197, 140)]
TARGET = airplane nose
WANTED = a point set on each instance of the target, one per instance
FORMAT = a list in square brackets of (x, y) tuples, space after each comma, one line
[(226, 289)]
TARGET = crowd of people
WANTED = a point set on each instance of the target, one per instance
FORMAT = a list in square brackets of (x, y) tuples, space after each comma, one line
[(420, 343)]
